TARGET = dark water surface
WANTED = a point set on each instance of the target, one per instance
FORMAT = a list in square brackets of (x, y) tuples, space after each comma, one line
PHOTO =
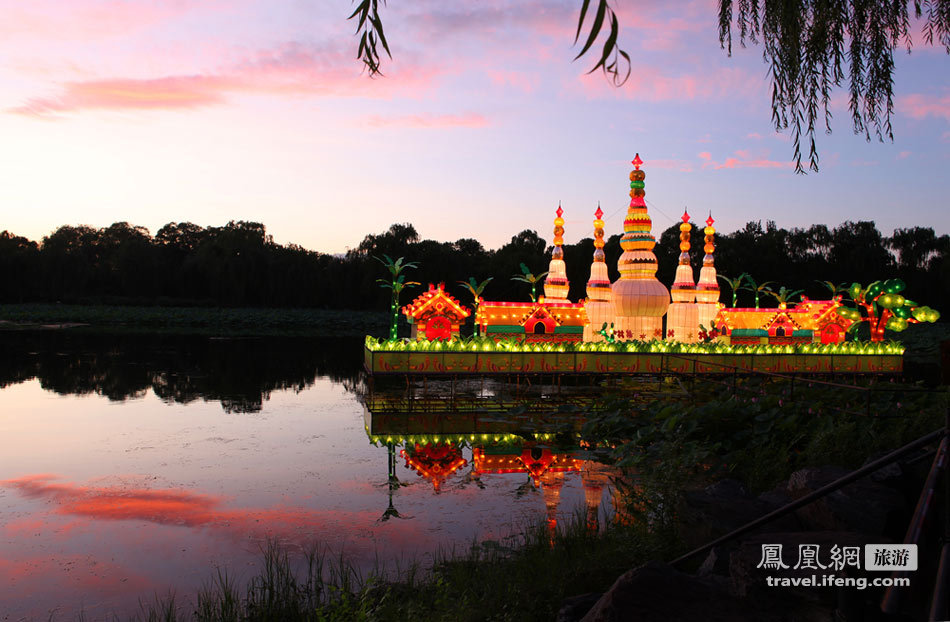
[(131, 466)]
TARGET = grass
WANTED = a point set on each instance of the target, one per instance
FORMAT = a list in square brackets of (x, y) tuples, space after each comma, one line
[(523, 579), (196, 320)]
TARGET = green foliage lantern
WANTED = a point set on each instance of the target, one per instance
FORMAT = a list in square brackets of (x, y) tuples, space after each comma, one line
[(882, 306), (475, 289), (531, 279), (397, 284)]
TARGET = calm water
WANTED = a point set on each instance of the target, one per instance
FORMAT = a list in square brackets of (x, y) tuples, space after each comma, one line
[(134, 466)]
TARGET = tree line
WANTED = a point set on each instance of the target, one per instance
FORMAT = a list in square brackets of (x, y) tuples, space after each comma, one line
[(239, 264)]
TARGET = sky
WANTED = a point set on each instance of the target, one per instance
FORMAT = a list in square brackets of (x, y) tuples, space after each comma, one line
[(207, 111)]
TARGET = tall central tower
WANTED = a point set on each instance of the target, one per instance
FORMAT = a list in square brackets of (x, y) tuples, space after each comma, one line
[(639, 299)]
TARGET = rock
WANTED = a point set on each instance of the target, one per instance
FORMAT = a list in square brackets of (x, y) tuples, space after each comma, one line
[(723, 507), (657, 591), (776, 497), (865, 506), (576, 607), (717, 562)]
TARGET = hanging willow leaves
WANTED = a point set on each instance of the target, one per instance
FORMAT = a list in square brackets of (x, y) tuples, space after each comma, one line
[(810, 44), (372, 35), (614, 62)]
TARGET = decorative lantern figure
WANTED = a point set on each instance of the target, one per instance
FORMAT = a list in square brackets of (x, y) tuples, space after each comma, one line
[(556, 284), (682, 318), (707, 290), (599, 309)]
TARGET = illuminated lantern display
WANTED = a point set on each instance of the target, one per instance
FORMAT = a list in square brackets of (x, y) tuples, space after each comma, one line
[(543, 320), (682, 318), (707, 290), (638, 298), (810, 321), (556, 285), (435, 314), (599, 309), (434, 461)]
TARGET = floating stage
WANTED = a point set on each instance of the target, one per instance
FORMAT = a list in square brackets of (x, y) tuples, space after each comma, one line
[(447, 360)]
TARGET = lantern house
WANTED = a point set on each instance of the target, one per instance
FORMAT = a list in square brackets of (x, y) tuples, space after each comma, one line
[(547, 321), (435, 314), (810, 321)]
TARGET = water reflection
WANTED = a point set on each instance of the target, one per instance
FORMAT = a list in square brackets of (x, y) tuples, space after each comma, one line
[(239, 373), (437, 430), (104, 506)]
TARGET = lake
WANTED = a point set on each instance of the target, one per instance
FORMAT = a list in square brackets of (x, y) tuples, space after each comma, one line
[(136, 466)]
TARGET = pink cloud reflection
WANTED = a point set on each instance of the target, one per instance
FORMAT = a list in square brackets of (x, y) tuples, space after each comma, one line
[(185, 508)]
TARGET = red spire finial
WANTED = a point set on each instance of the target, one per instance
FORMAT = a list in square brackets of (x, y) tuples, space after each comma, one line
[(559, 211), (685, 216), (599, 211), (637, 161), (710, 221)]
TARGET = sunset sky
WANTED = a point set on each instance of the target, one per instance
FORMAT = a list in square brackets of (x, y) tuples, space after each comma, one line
[(211, 110)]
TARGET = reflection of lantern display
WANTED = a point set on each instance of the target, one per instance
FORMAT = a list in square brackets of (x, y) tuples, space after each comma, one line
[(556, 284), (435, 314), (434, 461), (535, 461), (547, 470), (682, 318), (639, 299), (599, 309)]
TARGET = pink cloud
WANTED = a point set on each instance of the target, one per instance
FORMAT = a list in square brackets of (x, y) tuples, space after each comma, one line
[(903, 155), (290, 69), (86, 20), (648, 83), (683, 166), (919, 106), (705, 155), (429, 121), (172, 92), (745, 159), (526, 83), (441, 20)]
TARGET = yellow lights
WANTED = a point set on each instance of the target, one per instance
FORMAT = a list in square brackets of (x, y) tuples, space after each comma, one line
[(483, 344)]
